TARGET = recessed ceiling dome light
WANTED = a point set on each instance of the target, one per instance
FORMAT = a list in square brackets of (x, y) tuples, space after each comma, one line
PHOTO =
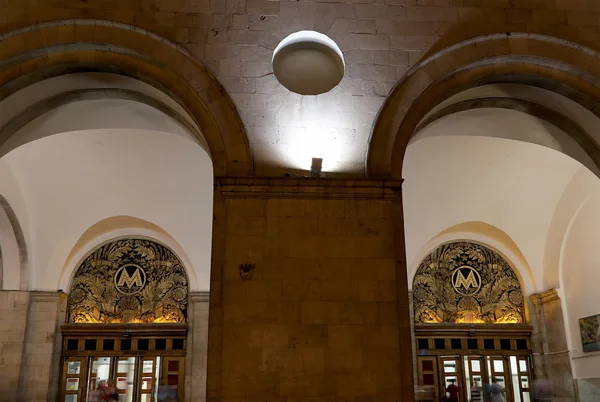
[(308, 63)]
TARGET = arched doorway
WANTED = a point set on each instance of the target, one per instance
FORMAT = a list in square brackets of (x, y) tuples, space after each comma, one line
[(126, 323), (470, 325)]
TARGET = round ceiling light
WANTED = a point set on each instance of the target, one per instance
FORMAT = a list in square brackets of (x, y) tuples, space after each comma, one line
[(308, 63)]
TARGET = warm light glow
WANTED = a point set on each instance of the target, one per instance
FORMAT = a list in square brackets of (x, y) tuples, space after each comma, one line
[(508, 320), (159, 320), (469, 320), (314, 143)]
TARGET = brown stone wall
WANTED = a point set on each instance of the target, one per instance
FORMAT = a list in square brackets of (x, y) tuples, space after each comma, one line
[(318, 318), (13, 319)]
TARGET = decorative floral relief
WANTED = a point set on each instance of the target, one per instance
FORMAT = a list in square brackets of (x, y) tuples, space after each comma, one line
[(466, 283), (129, 281)]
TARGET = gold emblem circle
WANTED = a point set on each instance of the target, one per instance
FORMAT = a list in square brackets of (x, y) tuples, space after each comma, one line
[(131, 280), (465, 282)]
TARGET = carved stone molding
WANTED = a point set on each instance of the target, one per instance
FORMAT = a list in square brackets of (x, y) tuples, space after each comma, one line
[(200, 297), (294, 187), (544, 297)]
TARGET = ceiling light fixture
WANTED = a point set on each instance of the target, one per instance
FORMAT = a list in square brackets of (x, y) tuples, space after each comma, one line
[(308, 63)]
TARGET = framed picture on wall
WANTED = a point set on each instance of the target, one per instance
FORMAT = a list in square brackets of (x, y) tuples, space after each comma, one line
[(590, 333)]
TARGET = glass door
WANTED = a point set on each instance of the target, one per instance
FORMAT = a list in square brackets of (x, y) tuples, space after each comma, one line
[(171, 382), (124, 378), (148, 379), (521, 381), (474, 377), (98, 375), (499, 375), (73, 379), (427, 389), (451, 378)]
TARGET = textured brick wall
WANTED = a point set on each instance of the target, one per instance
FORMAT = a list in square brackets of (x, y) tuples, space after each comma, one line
[(380, 39), (13, 319), (318, 318)]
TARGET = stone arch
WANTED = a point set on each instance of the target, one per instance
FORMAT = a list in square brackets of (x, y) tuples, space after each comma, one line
[(129, 280), (9, 138), (487, 290), (556, 64), (574, 133), (120, 227), (574, 198), (13, 249), (486, 235), (55, 48)]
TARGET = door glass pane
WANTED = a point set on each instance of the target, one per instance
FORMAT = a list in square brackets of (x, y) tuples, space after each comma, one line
[(522, 366), (125, 365), (146, 383), (428, 379), (125, 378), (147, 366), (526, 397), (524, 381), (73, 367), (71, 398), (515, 379), (427, 365), (477, 379), (476, 365), (72, 384), (501, 381), (451, 379), (498, 366), (146, 398), (156, 374), (99, 372), (467, 377), (449, 366)]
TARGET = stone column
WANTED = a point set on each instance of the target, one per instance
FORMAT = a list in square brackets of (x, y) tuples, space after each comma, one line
[(405, 330), (413, 340), (553, 358), (197, 346), (39, 351), (13, 321)]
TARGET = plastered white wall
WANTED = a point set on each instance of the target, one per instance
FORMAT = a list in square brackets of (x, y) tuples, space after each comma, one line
[(71, 181)]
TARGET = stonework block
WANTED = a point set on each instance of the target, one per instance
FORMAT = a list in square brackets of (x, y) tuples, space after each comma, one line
[(321, 294)]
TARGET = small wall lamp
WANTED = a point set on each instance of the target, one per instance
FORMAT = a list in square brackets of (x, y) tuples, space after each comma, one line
[(246, 271), (317, 165)]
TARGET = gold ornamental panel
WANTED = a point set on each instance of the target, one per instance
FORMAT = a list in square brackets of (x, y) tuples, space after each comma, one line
[(466, 283), (129, 281)]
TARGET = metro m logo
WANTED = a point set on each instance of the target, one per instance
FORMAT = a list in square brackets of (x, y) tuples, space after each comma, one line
[(466, 285), (130, 279)]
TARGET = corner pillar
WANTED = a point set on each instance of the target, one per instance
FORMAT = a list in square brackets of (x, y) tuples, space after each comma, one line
[(197, 347), (40, 364), (551, 352)]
